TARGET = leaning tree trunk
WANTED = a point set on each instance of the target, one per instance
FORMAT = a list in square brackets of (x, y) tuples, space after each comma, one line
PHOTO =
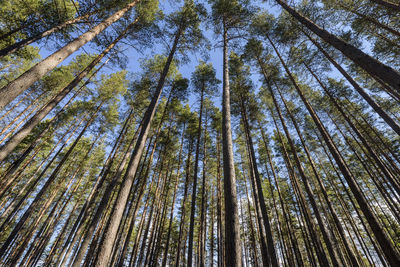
[(392, 256), (366, 62), (9, 92), (35, 120), (388, 5), (110, 234), (18, 45), (233, 252)]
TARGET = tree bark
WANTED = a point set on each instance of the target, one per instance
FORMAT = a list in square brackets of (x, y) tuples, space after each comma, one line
[(233, 251)]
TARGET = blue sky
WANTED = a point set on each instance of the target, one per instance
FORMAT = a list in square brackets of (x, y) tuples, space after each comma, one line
[(134, 56)]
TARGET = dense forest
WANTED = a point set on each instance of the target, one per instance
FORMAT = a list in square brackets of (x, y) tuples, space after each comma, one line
[(200, 133)]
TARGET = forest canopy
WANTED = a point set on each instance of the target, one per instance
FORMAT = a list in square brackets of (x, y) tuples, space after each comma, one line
[(200, 133)]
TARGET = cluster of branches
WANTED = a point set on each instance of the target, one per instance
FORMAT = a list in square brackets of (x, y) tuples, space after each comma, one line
[(299, 167)]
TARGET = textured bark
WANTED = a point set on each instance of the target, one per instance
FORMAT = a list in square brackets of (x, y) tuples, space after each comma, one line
[(366, 62), (9, 92), (233, 251)]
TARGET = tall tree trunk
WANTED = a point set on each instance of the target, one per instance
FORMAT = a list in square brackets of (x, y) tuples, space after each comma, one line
[(23, 82), (122, 198), (366, 62), (203, 211), (233, 251)]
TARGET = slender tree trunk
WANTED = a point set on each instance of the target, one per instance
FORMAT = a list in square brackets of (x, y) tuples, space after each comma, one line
[(233, 251), (18, 45), (366, 62), (23, 82)]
